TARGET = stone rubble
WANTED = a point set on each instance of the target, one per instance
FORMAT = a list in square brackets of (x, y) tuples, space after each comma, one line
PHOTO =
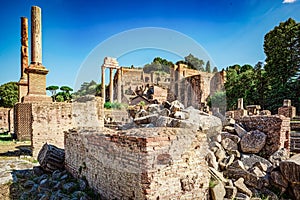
[(175, 115), (238, 167), (39, 184)]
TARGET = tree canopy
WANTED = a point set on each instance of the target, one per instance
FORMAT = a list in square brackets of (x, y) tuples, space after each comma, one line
[(268, 85), (282, 49), (87, 88), (158, 64), (8, 94)]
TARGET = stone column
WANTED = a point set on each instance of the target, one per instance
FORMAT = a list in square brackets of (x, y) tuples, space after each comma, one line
[(119, 86), (36, 71), (36, 35), (103, 82), (240, 104), (186, 85), (111, 85), (23, 82)]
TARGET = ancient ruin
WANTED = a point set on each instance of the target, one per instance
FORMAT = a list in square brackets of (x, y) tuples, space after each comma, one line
[(36, 72), (112, 64), (166, 149), (23, 82)]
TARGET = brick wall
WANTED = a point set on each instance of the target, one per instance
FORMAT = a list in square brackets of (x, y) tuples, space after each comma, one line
[(287, 111), (45, 122), (4, 118), (277, 129), (37, 84), (23, 121), (155, 163), (49, 121)]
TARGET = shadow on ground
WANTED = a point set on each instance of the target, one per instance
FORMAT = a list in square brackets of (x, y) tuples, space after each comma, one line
[(22, 150)]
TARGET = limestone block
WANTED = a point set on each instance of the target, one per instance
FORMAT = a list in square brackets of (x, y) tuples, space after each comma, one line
[(278, 179), (241, 187), (233, 137), (240, 130), (253, 142), (290, 168), (218, 192), (250, 160), (230, 192), (229, 144)]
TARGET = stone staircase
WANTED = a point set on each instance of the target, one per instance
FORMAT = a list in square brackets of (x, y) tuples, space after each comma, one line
[(295, 135)]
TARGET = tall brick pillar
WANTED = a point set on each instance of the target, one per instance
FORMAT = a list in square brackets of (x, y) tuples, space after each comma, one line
[(36, 71), (23, 82)]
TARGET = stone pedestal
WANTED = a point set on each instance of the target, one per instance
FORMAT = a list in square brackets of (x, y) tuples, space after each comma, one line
[(37, 84)]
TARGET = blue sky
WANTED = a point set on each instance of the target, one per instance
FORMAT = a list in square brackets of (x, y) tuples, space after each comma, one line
[(229, 31)]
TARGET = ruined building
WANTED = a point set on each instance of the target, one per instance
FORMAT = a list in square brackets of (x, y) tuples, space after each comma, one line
[(192, 87)]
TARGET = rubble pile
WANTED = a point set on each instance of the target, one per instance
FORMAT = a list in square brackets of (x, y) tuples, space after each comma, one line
[(175, 115), (240, 170)]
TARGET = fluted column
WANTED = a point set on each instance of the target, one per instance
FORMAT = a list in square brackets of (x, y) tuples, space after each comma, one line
[(103, 82), (111, 85), (119, 86)]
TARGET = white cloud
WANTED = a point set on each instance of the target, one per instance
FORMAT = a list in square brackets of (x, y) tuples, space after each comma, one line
[(289, 1)]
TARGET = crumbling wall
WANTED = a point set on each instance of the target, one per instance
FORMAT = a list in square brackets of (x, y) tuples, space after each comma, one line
[(45, 122), (117, 115), (49, 121), (154, 163), (4, 118), (277, 129)]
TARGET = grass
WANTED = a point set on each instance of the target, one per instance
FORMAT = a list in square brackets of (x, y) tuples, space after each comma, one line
[(6, 139)]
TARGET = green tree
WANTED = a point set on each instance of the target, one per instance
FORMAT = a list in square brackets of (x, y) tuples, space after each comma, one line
[(215, 70), (8, 94), (207, 67), (218, 100), (52, 89), (66, 93), (194, 62), (158, 64), (282, 49)]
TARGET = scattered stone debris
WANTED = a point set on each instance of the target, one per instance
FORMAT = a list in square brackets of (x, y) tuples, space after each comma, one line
[(241, 171), (39, 184), (174, 115)]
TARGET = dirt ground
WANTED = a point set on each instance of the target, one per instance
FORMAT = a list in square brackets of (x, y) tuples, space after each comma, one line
[(10, 150)]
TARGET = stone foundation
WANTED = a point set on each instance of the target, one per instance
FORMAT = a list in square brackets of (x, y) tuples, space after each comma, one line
[(153, 163), (277, 129)]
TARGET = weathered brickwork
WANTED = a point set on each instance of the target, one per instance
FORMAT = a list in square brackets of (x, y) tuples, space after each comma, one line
[(49, 121), (287, 111), (277, 129), (23, 121), (45, 122), (4, 118), (154, 163)]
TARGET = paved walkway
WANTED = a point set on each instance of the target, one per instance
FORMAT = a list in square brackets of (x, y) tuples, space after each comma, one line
[(8, 164)]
